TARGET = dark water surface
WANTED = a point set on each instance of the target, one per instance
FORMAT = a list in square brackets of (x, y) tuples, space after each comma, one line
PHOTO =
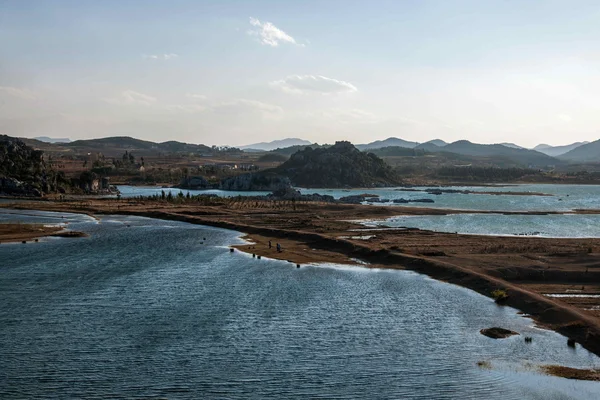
[(150, 311)]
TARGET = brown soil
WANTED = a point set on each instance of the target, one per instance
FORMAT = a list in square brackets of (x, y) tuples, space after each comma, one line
[(19, 232), (525, 267), (291, 250), (10, 232), (572, 373)]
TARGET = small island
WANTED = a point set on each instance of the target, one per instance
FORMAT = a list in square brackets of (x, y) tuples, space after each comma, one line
[(20, 232)]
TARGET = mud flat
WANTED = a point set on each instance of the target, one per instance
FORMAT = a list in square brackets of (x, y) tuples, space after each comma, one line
[(23, 232), (14, 232), (572, 373), (321, 232)]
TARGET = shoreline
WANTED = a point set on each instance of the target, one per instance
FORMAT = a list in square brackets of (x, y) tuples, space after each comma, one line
[(552, 313), (32, 232), (26, 232)]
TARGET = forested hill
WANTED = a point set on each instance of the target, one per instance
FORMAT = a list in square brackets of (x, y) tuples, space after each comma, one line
[(586, 153), (121, 143), (340, 165)]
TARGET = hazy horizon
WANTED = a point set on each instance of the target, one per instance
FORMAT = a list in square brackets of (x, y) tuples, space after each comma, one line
[(237, 73), (246, 145)]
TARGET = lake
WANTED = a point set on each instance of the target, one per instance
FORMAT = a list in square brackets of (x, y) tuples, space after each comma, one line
[(146, 308), (562, 197)]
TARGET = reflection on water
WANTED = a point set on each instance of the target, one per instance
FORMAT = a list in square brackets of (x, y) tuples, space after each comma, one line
[(562, 197), (133, 191), (147, 308)]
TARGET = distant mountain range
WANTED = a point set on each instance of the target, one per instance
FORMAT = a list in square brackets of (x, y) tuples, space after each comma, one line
[(275, 144), (589, 152), (556, 151), (496, 154), (437, 142), (552, 151), (512, 145), (52, 140), (117, 145), (389, 142), (520, 155)]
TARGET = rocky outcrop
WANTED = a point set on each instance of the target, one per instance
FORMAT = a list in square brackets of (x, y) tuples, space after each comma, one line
[(497, 333), (341, 165), (15, 187), (357, 198), (194, 183), (406, 201), (293, 194), (260, 181), (23, 171)]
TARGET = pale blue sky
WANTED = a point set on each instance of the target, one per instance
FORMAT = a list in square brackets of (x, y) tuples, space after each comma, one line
[(237, 72)]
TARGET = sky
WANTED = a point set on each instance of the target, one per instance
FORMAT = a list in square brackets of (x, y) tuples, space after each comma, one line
[(239, 72)]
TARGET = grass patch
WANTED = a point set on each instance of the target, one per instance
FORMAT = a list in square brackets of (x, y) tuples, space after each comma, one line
[(500, 295)]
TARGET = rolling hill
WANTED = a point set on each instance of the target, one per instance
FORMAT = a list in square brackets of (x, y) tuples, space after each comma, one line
[(511, 145), (430, 146), (275, 144), (521, 157), (437, 142), (585, 153), (389, 142), (116, 145), (555, 151), (52, 140)]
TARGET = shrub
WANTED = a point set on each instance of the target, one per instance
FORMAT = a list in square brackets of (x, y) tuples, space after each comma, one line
[(499, 295)]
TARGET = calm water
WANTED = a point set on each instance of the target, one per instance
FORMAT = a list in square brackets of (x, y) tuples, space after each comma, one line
[(558, 226), (563, 197), (154, 310), (132, 191)]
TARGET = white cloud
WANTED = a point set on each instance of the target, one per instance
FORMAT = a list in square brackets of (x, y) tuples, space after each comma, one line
[(18, 92), (269, 34), (304, 84), (164, 57), (130, 97)]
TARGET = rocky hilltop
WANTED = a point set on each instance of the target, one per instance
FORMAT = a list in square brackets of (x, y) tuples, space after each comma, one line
[(340, 165), (23, 171)]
